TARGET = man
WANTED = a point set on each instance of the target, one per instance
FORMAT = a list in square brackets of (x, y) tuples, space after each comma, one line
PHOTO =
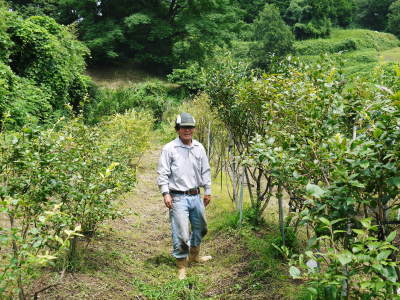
[(184, 168)]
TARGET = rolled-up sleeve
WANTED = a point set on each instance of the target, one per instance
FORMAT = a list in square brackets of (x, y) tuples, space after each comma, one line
[(164, 171), (206, 173)]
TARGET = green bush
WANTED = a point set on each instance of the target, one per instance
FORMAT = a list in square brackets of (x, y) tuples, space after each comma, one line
[(47, 53), (29, 104), (309, 18), (60, 183), (189, 77), (22, 101), (5, 41), (393, 25), (320, 46), (272, 37), (312, 29), (41, 69), (154, 96)]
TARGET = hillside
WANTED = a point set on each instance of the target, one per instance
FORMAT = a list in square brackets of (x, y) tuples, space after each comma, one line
[(359, 49)]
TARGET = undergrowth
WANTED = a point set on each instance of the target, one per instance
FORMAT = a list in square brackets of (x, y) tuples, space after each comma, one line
[(154, 96), (189, 289), (261, 244)]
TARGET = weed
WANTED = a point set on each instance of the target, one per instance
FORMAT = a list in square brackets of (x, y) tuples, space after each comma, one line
[(189, 289)]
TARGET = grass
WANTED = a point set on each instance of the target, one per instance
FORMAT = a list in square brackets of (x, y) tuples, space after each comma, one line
[(360, 50), (264, 271), (365, 38), (346, 40), (120, 76), (175, 289), (391, 55)]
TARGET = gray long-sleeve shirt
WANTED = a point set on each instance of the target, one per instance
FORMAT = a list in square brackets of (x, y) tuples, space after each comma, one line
[(182, 167)]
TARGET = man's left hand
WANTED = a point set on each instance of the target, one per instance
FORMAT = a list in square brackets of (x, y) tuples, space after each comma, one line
[(207, 199)]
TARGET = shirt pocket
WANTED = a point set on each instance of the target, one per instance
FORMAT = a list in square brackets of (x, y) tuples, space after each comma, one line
[(174, 161), (197, 160)]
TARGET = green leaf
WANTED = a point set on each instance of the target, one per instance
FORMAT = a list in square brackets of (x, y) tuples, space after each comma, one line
[(294, 272), (377, 132), (37, 244), (366, 223), (383, 255), (345, 257), (390, 273), (313, 291), (356, 183), (309, 254), (394, 181), (391, 236), (315, 190), (359, 231), (312, 242), (325, 221)]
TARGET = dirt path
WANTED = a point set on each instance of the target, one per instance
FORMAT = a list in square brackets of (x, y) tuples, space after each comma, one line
[(130, 258)]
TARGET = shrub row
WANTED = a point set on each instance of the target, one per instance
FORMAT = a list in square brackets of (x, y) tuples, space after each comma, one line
[(320, 46), (58, 184), (347, 40), (332, 145)]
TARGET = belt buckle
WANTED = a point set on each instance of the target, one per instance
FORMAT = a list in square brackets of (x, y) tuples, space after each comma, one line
[(193, 191)]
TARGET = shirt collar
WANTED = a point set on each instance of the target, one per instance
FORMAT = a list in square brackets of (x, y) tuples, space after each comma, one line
[(179, 143)]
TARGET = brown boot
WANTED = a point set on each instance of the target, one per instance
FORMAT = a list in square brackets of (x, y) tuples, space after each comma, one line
[(194, 255), (181, 263)]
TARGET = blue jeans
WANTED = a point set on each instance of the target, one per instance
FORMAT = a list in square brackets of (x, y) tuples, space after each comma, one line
[(187, 209)]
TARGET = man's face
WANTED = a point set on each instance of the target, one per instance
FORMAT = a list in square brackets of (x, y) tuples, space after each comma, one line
[(186, 134)]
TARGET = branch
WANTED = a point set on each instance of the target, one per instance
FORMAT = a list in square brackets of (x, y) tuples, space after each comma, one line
[(35, 295)]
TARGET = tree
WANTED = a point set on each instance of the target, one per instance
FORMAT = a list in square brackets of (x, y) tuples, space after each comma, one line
[(41, 69), (161, 33), (372, 14), (272, 37), (342, 12), (394, 18), (250, 9), (309, 18), (29, 8)]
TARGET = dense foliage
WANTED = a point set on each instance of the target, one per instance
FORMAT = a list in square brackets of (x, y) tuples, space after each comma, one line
[(308, 132), (332, 146), (42, 67), (156, 32), (154, 96), (175, 34), (394, 18), (59, 184), (372, 14), (273, 38)]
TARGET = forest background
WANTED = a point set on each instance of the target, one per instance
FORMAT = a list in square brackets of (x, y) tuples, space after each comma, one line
[(236, 59)]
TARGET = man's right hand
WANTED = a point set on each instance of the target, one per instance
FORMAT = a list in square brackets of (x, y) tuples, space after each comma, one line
[(168, 200)]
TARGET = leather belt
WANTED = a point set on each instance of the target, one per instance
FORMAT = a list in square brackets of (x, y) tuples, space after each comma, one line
[(192, 192)]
